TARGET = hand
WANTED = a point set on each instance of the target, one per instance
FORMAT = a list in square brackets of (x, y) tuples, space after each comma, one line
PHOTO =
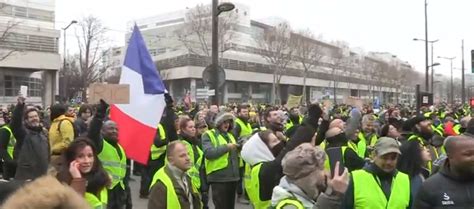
[(74, 170), (102, 108), (339, 183), (232, 146)]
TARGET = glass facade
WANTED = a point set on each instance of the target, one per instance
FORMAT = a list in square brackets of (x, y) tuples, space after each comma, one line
[(13, 83), (25, 12)]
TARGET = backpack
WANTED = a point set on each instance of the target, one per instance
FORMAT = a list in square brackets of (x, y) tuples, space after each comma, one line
[(73, 127)]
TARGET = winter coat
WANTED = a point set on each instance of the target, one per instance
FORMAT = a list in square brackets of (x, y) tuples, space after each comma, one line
[(31, 149), (287, 190), (61, 134), (446, 190)]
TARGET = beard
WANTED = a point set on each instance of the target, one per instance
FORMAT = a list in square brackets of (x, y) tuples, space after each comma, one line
[(426, 133), (275, 126)]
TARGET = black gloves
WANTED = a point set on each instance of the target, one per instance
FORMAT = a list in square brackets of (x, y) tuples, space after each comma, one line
[(102, 109)]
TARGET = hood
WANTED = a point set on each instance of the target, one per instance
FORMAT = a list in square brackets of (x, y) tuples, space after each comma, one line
[(255, 151), (223, 117), (45, 193), (288, 190)]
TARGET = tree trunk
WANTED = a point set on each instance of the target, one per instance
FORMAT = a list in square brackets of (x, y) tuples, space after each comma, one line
[(273, 96), (304, 87)]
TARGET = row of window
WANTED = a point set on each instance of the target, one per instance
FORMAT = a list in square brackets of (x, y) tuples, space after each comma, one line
[(26, 12), (13, 83), (19, 41)]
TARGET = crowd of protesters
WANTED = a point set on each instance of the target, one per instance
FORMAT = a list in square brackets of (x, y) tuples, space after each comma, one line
[(309, 156)]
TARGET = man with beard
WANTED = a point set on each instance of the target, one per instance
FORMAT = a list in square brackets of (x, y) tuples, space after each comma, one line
[(32, 146), (379, 184), (274, 122), (242, 131), (453, 186), (264, 152), (294, 120), (423, 133)]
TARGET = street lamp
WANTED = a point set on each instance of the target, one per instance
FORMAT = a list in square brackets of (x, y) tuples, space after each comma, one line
[(452, 85), (216, 11), (64, 49), (432, 54)]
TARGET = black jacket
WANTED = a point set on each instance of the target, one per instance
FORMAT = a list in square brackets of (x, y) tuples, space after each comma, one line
[(446, 190), (31, 149), (271, 172)]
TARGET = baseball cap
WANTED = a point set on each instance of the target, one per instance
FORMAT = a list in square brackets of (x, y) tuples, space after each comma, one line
[(386, 145)]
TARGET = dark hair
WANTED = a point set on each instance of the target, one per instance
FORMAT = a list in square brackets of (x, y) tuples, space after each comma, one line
[(97, 178), (57, 110), (384, 130), (27, 111), (183, 122), (84, 108), (267, 112), (242, 106), (410, 161)]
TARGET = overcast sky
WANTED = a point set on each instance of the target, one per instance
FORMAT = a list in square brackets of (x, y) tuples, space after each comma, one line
[(374, 25)]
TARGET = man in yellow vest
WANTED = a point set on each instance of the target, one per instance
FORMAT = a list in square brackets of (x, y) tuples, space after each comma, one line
[(155, 161), (111, 154), (379, 184), (221, 153), (242, 131), (171, 186), (294, 120), (61, 133), (367, 136), (338, 148), (7, 147)]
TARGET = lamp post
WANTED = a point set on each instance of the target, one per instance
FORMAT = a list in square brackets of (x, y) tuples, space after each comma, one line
[(452, 85), (432, 55), (426, 45), (216, 10), (64, 49)]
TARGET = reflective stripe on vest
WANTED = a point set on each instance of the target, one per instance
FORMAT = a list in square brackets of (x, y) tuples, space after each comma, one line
[(95, 202), (456, 129), (171, 197), (252, 186), (155, 151), (245, 129), (368, 194), (362, 144), (290, 202), (115, 166), (223, 161), (193, 172), (11, 142)]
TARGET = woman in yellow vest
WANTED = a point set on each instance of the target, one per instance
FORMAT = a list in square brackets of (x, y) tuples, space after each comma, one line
[(83, 171), (188, 137), (221, 153)]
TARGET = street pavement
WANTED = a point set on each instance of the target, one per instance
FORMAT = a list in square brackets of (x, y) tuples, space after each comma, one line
[(142, 203)]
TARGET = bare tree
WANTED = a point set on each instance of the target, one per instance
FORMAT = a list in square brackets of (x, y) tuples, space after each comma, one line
[(308, 53), (8, 38), (93, 47), (339, 63), (277, 49), (197, 33)]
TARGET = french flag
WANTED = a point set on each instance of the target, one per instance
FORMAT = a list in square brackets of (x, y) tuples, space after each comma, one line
[(138, 121)]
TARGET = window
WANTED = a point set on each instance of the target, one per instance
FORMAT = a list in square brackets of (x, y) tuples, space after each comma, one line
[(30, 42), (13, 83), (20, 11), (179, 20), (143, 26)]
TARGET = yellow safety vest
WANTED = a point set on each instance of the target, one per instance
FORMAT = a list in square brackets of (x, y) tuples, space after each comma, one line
[(97, 202), (155, 151), (222, 161), (11, 142), (290, 202), (456, 129), (368, 194), (362, 144), (252, 186), (193, 172), (290, 124), (172, 200), (245, 129), (113, 164)]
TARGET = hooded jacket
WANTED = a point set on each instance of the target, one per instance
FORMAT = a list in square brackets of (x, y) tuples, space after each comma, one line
[(445, 190), (288, 190), (45, 193), (271, 171), (211, 152)]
